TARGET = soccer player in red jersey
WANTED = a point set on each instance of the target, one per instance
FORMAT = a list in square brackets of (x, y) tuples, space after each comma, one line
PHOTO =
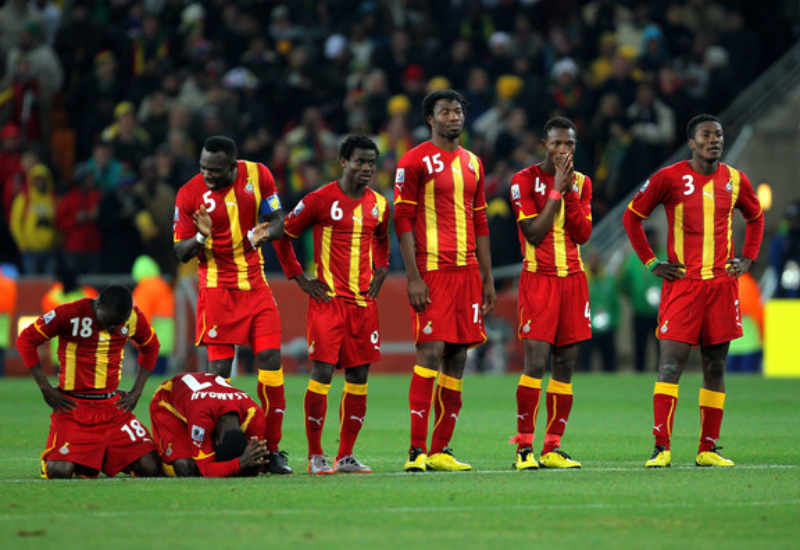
[(204, 426), (223, 216), (92, 427), (699, 298), (440, 219), (552, 203), (350, 223)]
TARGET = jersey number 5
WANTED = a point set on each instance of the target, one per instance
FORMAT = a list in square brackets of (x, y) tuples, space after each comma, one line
[(210, 203)]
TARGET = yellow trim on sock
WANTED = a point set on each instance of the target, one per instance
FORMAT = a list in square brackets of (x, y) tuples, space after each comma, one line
[(554, 386), (425, 372), (713, 399), (355, 389), (168, 470), (450, 383), (318, 387), (530, 382), (665, 388), (271, 377)]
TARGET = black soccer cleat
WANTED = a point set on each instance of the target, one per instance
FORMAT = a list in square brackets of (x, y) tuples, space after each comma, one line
[(278, 463)]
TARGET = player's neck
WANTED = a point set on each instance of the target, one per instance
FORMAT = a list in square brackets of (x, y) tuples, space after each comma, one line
[(548, 166), (446, 144), (703, 166), (351, 190)]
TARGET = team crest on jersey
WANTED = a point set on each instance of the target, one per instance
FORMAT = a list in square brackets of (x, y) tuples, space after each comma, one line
[(515, 194), (213, 332), (49, 316), (64, 449), (428, 328), (198, 433), (375, 211), (311, 347), (643, 187), (400, 176), (527, 328), (664, 327), (169, 450), (298, 208), (124, 330), (729, 187), (471, 167), (249, 187), (175, 217)]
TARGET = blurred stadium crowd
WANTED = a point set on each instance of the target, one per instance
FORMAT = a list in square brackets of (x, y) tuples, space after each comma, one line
[(104, 104)]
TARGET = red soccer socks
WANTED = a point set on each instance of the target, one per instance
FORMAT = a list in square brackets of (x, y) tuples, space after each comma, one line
[(420, 395), (447, 405), (352, 412), (273, 401), (559, 405), (665, 399), (529, 391), (315, 406), (711, 406)]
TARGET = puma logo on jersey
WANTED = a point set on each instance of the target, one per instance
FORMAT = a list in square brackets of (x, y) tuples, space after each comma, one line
[(707, 194), (358, 220)]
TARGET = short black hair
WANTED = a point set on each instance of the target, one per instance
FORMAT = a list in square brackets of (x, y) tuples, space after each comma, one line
[(221, 144), (450, 95), (232, 445), (691, 128), (558, 122), (356, 141), (116, 298)]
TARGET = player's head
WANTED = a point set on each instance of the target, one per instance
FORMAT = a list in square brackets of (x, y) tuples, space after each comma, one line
[(359, 157), (705, 136), (218, 162), (231, 444), (443, 111), (559, 137), (113, 307)]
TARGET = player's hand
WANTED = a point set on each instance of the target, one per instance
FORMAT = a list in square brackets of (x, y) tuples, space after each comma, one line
[(255, 454), (564, 173), (202, 221), (128, 400), (669, 271), (259, 235), (57, 400), (489, 297), (377, 282), (418, 294), (736, 267), (314, 288)]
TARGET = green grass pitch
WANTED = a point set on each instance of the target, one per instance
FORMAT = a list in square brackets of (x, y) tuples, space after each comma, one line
[(613, 502)]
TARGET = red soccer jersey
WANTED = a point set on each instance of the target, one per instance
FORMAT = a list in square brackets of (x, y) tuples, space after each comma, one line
[(349, 236), (446, 191), (198, 399), (699, 214), (90, 357), (228, 260), (558, 253)]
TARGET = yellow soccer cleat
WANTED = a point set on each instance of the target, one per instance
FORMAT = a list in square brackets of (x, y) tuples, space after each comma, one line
[(417, 460), (662, 458), (712, 459), (526, 460), (446, 462), (558, 459)]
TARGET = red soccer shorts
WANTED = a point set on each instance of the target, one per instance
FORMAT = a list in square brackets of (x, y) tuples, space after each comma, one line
[(554, 309), (98, 435), (699, 312), (342, 333), (235, 317), (454, 314)]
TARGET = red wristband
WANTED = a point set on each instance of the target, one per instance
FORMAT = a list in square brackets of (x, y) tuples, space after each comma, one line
[(555, 195)]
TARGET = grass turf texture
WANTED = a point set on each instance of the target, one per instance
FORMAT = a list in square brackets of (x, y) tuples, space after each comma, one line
[(613, 502)]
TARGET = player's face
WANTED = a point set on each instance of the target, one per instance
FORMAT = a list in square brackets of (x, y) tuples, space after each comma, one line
[(217, 169), (708, 141), (448, 118), (360, 167), (559, 143)]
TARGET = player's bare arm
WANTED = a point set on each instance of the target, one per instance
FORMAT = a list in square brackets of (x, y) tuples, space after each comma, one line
[(418, 293), (274, 228), (736, 267), (52, 396), (255, 454), (313, 287), (483, 252), (129, 399), (377, 281)]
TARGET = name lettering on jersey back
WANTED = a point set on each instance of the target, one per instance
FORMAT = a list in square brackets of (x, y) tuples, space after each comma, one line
[(236, 396)]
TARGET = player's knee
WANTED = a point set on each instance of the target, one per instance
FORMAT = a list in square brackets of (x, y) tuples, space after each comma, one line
[(715, 369), (147, 466), (60, 469), (185, 467), (670, 370), (268, 359)]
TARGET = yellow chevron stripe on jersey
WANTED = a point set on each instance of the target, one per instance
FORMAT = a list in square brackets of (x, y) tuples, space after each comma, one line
[(677, 233), (251, 412), (173, 410), (69, 366), (735, 182), (237, 240), (325, 260), (212, 269), (101, 358), (354, 274), (459, 211), (709, 209), (431, 229), (254, 180), (560, 241)]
